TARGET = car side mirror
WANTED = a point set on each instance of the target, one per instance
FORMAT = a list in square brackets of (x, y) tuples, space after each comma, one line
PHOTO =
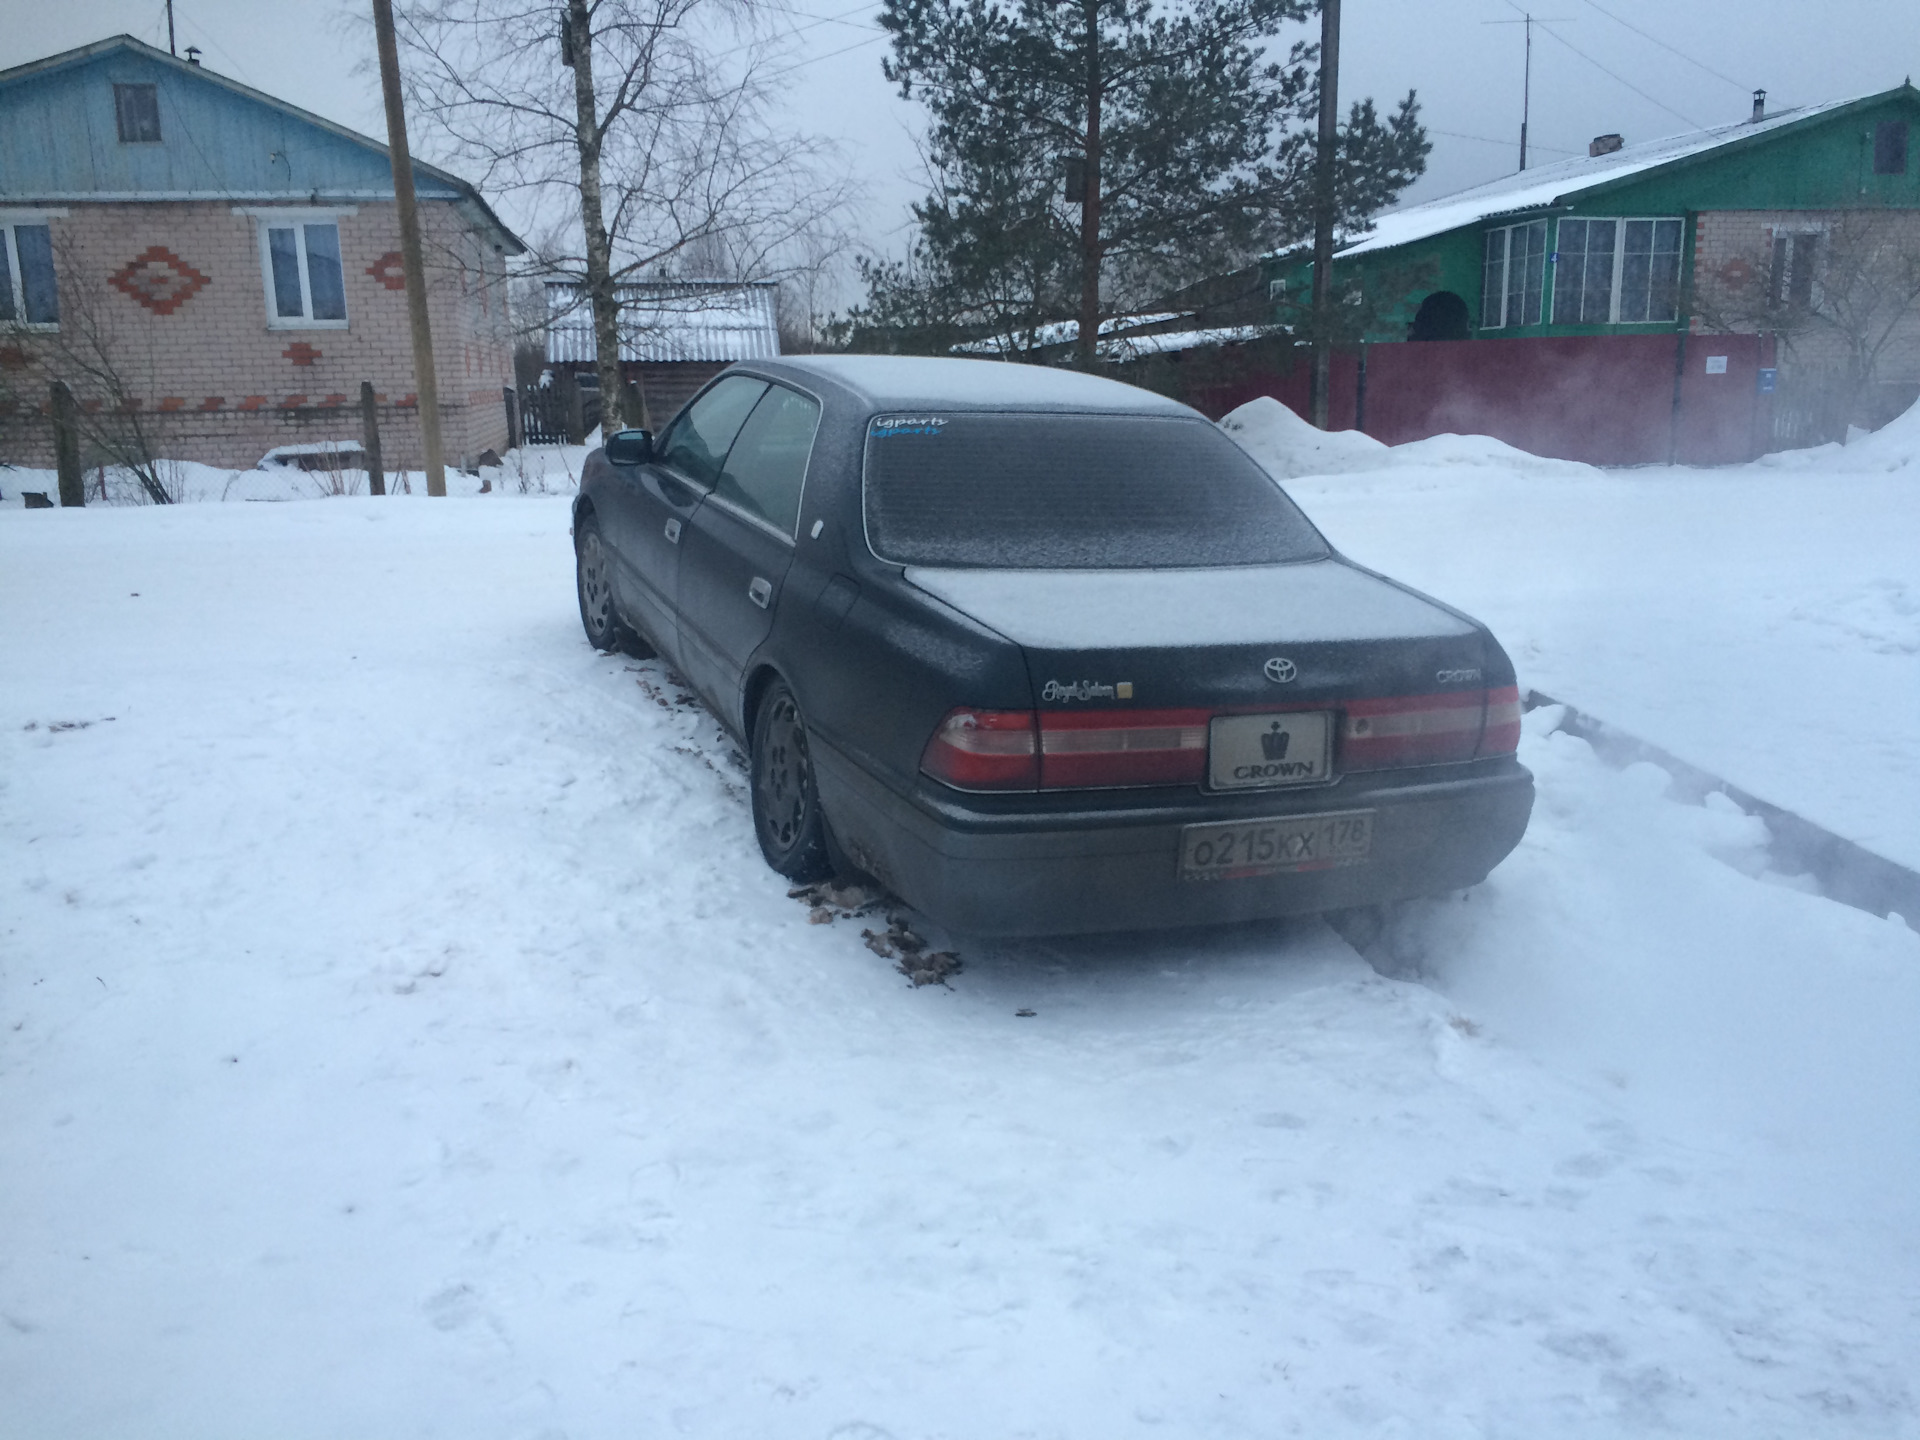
[(630, 447)]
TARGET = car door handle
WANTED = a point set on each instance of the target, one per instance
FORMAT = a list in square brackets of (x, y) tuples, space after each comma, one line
[(673, 532), (760, 592)]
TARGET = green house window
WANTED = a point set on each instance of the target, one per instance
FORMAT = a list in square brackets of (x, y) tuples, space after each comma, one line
[(1512, 275), (1617, 272), (1890, 147)]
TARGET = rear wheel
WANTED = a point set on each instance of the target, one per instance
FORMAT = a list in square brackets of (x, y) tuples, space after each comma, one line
[(786, 804), (593, 579)]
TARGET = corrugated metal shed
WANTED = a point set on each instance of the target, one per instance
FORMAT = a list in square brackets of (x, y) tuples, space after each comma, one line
[(670, 320)]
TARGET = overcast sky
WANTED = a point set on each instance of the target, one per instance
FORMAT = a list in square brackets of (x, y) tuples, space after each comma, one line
[(1693, 65)]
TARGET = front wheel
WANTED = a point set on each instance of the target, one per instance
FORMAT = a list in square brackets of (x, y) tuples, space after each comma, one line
[(786, 804), (593, 579)]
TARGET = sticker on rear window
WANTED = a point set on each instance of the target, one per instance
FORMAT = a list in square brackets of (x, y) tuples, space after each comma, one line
[(889, 425)]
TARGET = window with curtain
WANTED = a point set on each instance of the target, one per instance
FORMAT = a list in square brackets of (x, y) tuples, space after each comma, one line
[(136, 113), (1513, 275), (1618, 272)]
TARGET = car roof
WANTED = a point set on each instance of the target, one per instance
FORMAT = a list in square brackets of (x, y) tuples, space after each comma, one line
[(894, 382)]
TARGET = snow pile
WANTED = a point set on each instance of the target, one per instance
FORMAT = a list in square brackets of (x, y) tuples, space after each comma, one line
[(1288, 447), (1483, 451), (1895, 446), (399, 1034)]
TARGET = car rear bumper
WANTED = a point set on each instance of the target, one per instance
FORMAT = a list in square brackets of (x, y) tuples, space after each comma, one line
[(995, 870)]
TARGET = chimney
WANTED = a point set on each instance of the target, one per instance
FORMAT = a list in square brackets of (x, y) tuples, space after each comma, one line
[(1604, 144), (1759, 106), (193, 55)]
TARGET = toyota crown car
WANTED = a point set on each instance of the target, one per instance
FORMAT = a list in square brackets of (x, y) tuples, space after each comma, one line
[(1041, 652)]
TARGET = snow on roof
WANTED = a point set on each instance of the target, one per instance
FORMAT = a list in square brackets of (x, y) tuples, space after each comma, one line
[(670, 321), (1062, 332), (1132, 347), (1555, 184), (903, 381)]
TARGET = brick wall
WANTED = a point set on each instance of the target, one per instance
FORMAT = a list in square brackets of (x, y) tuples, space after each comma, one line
[(1733, 253), (176, 294)]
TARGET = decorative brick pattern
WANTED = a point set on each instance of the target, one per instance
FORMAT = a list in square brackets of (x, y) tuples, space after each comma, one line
[(301, 353), (159, 279), (220, 351), (390, 270)]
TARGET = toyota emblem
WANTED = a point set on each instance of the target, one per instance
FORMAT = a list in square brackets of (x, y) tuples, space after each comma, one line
[(1280, 670)]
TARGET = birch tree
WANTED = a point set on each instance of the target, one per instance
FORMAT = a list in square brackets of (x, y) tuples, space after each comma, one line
[(636, 134)]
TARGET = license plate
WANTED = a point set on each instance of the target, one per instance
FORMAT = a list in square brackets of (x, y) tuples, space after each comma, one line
[(1270, 847), (1266, 752)]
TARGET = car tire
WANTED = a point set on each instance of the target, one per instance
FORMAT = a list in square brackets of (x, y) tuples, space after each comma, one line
[(593, 583), (787, 819)]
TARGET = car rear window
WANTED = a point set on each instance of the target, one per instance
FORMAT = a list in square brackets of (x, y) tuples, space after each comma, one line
[(1072, 492)]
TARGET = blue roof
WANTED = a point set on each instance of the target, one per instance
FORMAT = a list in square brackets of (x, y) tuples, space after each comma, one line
[(219, 140)]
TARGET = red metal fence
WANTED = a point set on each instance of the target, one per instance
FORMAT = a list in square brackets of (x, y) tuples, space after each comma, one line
[(1604, 399)]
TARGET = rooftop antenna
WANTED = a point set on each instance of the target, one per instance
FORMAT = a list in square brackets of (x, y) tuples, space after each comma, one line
[(170, 50), (1527, 81)]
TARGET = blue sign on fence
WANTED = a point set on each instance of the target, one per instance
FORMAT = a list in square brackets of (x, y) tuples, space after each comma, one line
[(1767, 376)]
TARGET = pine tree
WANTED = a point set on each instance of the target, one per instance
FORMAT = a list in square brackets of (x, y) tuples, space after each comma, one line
[(1089, 154)]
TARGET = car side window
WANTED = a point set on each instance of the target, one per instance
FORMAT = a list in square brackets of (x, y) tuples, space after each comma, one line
[(768, 463), (696, 444)]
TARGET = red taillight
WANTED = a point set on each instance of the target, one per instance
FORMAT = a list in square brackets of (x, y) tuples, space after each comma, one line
[(1412, 730), (1084, 749), (984, 750), (1095, 749), (1502, 735)]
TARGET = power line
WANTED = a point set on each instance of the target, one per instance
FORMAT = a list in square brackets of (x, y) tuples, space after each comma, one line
[(816, 59), (1671, 50), (1489, 140), (814, 21), (1652, 100)]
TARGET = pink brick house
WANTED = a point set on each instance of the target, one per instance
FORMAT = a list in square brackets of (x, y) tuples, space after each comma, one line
[(228, 265)]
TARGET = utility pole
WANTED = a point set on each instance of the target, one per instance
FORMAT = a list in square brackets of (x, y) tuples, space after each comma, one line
[(1528, 19), (1325, 206), (426, 391), (170, 49)]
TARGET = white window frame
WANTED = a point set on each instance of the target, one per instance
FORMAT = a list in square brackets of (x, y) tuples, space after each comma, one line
[(1506, 234), (9, 219), (282, 217), (1620, 223)]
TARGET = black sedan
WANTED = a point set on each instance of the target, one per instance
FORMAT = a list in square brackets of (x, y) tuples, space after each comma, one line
[(1041, 652)]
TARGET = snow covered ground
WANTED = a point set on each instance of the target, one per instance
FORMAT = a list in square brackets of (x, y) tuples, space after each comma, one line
[(399, 1034)]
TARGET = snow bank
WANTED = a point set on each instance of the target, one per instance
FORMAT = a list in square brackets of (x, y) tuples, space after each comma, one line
[(1289, 447), (1700, 609), (1895, 446)]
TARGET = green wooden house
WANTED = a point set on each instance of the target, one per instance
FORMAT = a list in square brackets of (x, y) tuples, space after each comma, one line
[(1738, 230), (1607, 243)]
